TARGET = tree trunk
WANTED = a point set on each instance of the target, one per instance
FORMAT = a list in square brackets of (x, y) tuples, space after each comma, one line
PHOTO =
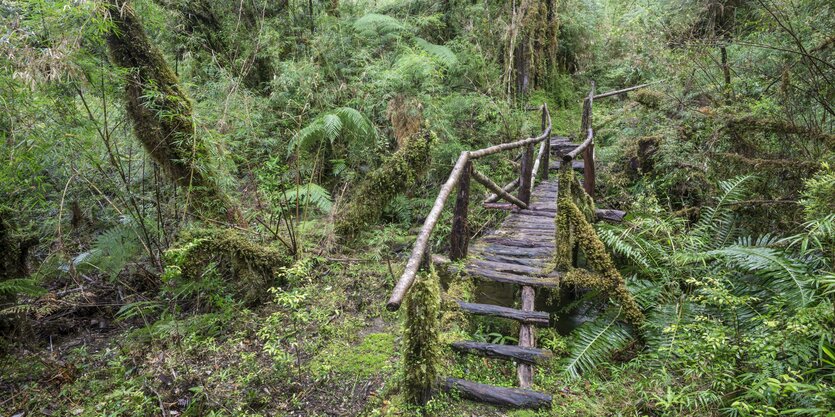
[(161, 113)]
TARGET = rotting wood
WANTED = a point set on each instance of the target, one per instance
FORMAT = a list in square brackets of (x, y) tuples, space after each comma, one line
[(509, 397), (510, 352), (551, 281), (524, 371), (610, 215), (487, 182), (522, 316)]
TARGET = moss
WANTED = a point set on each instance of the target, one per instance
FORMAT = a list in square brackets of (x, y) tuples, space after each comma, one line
[(648, 97), (161, 113), (253, 266), (608, 278), (453, 319), (364, 360), (398, 173), (421, 359), (573, 227)]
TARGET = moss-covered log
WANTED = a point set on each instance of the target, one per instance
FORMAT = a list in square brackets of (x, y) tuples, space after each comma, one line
[(252, 266), (398, 173), (161, 113), (422, 345)]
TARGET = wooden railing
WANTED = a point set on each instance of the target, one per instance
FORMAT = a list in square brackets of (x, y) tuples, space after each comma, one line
[(461, 174)]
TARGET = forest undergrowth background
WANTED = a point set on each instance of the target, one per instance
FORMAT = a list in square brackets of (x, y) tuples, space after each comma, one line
[(205, 204)]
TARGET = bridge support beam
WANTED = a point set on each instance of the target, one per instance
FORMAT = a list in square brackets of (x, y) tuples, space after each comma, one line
[(459, 237)]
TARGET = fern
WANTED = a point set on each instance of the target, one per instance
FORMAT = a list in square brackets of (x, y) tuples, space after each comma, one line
[(113, 249), (377, 24), (310, 194), (594, 342), (716, 226), (20, 286), (781, 273), (439, 53), (343, 122)]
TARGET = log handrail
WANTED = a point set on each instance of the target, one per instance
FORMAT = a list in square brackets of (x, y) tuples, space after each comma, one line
[(419, 249), (573, 154)]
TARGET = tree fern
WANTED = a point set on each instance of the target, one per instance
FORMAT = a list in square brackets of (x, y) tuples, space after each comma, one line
[(439, 53), (343, 122), (594, 342), (113, 249), (377, 24)]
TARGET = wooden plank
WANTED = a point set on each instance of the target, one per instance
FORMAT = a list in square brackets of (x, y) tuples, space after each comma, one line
[(551, 281), (506, 267), (508, 352), (529, 317), (508, 397)]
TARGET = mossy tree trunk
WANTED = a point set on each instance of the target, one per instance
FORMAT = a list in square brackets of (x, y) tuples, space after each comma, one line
[(161, 113), (398, 173), (422, 344), (531, 59)]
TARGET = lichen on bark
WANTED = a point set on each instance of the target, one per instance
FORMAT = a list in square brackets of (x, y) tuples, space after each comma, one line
[(421, 357)]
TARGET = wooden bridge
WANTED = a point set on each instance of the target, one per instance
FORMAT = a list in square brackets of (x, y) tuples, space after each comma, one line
[(522, 251)]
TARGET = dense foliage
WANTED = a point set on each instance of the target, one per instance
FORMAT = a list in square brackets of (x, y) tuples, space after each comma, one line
[(204, 204)]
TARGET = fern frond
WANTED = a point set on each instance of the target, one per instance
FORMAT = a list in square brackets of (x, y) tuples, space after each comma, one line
[(716, 226), (779, 272), (377, 24), (310, 194), (594, 342), (356, 124), (440, 53), (312, 133), (23, 286), (664, 324), (331, 126)]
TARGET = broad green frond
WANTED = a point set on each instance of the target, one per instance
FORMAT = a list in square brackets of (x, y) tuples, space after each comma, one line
[(663, 325), (779, 271), (331, 126), (312, 133), (355, 123), (310, 194), (20, 286), (716, 226), (378, 24), (440, 53), (594, 342)]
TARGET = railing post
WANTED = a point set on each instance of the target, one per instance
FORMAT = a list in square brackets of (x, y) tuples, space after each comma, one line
[(588, 153), (459, 237), (545, 162), (525, 170)]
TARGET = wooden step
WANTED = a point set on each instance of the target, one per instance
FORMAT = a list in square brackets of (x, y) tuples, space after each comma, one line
[(509, 352), (552, 280), (508, 397), (576, 165), (529, 317), (514, 268)]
